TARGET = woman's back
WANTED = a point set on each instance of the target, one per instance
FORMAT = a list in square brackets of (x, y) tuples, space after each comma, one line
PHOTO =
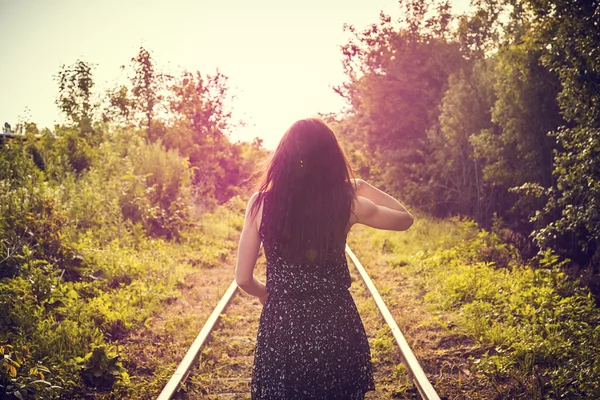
[(311, 343), (310, 272), (286, 277)]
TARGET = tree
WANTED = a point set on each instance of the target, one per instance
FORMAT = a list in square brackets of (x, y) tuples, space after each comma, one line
[(75, 100), (396, 80), (147, 86), (120, 107), (520, 150), (568, 35), (75, 85), (454, 168), (198, 129)]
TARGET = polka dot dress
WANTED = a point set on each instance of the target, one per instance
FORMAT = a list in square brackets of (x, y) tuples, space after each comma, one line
[(311, 343)]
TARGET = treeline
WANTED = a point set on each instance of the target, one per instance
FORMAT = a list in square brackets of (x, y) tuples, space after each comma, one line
[(100, 215), (150, 156), (494, 115), (178, 124)]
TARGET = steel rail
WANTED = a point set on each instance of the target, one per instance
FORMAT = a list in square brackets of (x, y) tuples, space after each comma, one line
[(184, 368), (414, 368), (415, 371)]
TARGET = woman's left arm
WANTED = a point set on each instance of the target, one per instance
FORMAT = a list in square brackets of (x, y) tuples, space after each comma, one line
[(248, 249)]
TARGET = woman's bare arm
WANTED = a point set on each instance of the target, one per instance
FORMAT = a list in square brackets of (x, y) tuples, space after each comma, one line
[(375, 208), (248, 249), (377, 196)]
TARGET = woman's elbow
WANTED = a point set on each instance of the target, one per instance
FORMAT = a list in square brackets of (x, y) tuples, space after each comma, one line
[(242, 281), (412, 221), (408, 221)]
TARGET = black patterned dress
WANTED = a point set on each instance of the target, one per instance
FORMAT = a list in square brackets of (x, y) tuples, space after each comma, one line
[(311, 343)]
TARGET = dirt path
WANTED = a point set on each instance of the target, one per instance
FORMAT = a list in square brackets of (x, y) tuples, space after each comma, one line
[(151, 354), (225, 364)]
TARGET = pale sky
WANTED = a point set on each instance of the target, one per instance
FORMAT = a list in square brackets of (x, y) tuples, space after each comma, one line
[(282, 57)]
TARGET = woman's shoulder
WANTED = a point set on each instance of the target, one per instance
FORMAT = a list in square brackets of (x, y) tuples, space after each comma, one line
[(253, 204), (255, 196)]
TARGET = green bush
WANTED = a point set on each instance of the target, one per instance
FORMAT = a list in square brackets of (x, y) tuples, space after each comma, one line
[(542, 327), (87, 254), (166, 179), (538, 329), (143, 184), (22, 378), (101, 368)]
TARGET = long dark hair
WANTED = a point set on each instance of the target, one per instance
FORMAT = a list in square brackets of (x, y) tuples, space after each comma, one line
[(310, 192)]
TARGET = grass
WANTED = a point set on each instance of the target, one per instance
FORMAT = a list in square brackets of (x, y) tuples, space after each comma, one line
[(482, 323), (389, 259), (154, 350), (143, 300)]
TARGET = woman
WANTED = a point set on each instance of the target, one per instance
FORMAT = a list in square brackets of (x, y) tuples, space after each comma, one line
[(311, 342)]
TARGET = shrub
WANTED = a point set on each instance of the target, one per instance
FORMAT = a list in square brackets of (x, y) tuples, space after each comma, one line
[(101, 367), (543, 328), (166, 177), (22, 378)]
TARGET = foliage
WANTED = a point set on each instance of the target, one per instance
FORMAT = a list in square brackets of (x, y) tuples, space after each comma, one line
[(201, 119), (393, 112), (30, 221), (75, 85), (101, 367), (165, 177), (121, 285), (88, 221), (492, 111), (540, 325), (519, 150), (567, 31), (21, 378), (454, 169), (75, 151), (146, 90), (188, 113), (535, 327)]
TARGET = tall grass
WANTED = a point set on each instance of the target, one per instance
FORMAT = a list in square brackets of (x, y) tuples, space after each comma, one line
[(539, 326)]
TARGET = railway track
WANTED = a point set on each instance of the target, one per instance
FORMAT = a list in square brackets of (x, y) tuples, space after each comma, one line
[(219, 362)]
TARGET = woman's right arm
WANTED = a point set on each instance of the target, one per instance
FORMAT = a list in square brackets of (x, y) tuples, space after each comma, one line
[(377, 209)]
